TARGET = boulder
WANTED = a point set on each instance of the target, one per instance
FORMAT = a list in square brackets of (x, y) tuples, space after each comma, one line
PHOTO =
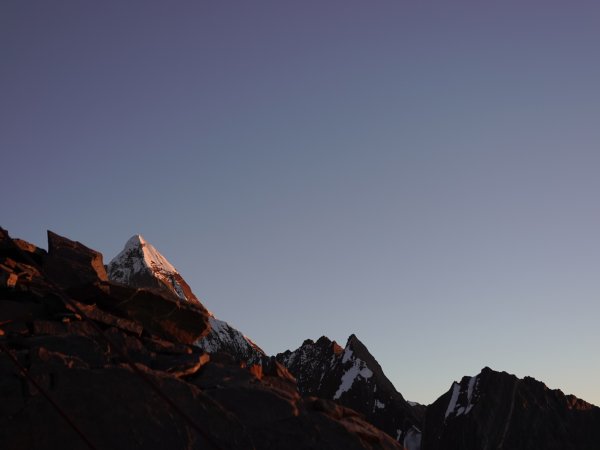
[(70, 263), (160, 313)]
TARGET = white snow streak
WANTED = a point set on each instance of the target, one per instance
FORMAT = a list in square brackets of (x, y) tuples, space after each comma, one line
[(358, 369), (453, 406), (453, 399), (140, 256), (470, 389), (347, 355)]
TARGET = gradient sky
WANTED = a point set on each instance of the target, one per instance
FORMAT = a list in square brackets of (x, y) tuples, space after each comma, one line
[(424, 174)]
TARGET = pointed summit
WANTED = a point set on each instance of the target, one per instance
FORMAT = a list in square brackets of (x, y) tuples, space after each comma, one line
[(140, 265)]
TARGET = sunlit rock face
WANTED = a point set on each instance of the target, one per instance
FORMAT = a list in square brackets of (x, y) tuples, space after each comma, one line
[(497, 410), (352, 377)]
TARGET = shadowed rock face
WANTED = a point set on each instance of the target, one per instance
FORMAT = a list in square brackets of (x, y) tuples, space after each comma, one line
[(352, 377), (88, 374), (71, 263), (495, 410)]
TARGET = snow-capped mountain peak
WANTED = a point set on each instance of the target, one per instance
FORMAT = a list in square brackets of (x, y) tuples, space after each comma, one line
[(139, 264), (151, 257)]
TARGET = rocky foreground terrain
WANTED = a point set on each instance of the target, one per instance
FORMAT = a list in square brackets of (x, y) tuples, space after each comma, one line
[(125, 356), (88, 363)]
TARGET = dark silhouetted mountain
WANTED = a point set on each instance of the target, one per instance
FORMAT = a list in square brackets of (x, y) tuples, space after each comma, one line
[(352, 377), (495, 410)]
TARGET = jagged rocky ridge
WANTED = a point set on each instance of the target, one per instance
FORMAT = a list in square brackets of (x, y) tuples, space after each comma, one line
[(352, 377), (79, 352), (139, 264), (96, 348)]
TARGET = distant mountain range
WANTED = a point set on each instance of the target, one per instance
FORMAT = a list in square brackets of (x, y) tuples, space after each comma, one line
[(352, 377), (55, 305)]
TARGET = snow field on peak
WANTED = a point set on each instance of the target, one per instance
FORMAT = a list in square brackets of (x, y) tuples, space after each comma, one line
[(149, 258), (155, 260), (138, 257)]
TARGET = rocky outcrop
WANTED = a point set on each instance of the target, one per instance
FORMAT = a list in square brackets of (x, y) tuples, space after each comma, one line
[(85, 363), (71, 263), (352, 377), (277, 417), (496, 410)]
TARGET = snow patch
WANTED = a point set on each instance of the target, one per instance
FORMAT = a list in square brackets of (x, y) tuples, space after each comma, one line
[(357, 369), (347, 355), (453, 405), (378, 405), (412, 440), (472, 383)]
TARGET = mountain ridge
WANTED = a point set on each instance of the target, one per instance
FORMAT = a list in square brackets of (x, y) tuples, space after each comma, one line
[(146, 309), (353, 377)]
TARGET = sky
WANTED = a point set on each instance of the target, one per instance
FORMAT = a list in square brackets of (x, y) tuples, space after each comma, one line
[(423, 174)]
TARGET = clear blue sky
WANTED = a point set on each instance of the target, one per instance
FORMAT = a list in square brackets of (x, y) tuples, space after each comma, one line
[(421, 173)]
